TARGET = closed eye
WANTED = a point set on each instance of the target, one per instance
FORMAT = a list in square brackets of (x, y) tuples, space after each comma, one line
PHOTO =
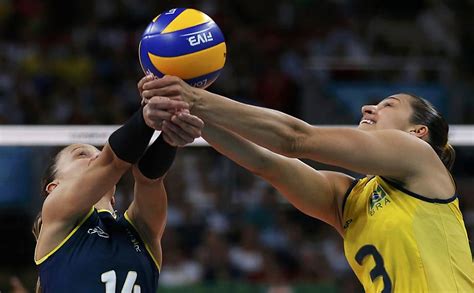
[(81, 154), (387, 104)]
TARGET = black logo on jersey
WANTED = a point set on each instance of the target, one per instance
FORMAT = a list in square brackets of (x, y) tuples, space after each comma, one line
[(97, 230), (378, 200)]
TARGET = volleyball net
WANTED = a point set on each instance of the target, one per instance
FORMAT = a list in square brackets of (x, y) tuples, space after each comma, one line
[(49, 135)]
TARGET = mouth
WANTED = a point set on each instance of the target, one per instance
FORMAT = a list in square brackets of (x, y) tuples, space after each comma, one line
[(367, 121)]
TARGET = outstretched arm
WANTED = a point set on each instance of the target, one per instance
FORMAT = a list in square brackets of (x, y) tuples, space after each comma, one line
[(374, 152), (73, 197), (316, 193), (147, 211)]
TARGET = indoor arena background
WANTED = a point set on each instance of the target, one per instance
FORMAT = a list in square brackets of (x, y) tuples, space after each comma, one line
[(76, 63)]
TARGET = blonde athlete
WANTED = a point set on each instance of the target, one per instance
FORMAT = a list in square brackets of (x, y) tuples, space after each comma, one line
[(402, 227), (82, 246)]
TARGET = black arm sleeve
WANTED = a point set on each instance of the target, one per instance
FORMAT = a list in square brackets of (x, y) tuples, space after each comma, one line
[(130, 141), (157, 159)]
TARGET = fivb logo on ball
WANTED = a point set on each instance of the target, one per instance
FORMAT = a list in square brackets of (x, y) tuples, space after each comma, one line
[(185, 43), (196, 38), (199, 38)]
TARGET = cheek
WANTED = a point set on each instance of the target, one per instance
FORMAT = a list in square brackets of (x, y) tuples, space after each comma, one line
[(393, 121), (74, 168)]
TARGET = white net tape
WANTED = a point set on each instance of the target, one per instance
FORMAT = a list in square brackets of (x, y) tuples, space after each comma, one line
[(46, 135)]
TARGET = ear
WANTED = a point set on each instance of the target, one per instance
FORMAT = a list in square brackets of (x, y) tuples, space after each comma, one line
[(112, 201), (51, 186), (420, 131)]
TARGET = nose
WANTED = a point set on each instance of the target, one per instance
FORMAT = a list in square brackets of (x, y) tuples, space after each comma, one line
[(369, 109)]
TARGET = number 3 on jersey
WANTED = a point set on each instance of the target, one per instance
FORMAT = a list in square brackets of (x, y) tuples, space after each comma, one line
[(379, 269), (110, 280)]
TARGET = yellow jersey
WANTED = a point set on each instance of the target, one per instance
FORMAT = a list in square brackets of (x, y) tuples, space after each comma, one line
[(398, 241)]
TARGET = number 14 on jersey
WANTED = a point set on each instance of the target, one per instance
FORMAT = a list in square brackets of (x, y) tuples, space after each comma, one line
[(110, 280)]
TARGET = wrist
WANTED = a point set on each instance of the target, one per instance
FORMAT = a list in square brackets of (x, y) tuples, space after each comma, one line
[(196, 102), (135, 130)]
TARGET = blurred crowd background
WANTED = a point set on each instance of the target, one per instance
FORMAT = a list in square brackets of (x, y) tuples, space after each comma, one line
[(76, 62)]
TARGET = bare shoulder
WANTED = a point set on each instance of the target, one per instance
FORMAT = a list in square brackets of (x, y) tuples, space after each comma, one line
[(54, 230), (434, 182), (341, 184)]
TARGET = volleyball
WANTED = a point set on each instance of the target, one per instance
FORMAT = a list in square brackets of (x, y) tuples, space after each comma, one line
[(186, 43)]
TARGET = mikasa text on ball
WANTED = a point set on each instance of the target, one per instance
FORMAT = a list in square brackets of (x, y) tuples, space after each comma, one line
[(186, 43)]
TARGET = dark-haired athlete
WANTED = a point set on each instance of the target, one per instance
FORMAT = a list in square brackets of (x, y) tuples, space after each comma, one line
[(402, 227)]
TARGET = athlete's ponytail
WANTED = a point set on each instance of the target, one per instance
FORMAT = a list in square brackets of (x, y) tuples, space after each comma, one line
[(425, 114), (448, 155)]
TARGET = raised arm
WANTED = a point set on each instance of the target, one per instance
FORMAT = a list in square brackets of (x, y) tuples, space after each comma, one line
[(374, 152), (316, 193), (83, 178), (148, 208), (147, 211), (72, 196)]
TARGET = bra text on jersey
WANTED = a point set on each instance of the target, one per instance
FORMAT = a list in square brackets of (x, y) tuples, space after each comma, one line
[(378, 200)]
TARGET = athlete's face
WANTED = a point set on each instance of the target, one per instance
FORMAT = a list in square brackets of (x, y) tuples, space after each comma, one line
[(74, 159), (393, 112)]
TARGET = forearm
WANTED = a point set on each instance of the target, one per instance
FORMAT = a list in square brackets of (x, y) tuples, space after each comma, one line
[(149, 207), (307, 189), (125, 146), (157, 159), (269, 128), (130, 141)]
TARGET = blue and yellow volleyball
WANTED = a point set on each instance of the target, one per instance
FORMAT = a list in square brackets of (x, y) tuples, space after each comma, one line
[(186, 43)]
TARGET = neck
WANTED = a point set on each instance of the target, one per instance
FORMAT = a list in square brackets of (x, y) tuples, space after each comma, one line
[(105, 203)]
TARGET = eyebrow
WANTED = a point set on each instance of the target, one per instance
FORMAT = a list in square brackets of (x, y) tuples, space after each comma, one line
[(78, 147), (393, 98)]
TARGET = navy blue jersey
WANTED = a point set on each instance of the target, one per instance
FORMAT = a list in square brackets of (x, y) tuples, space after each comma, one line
[(102, 254)]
